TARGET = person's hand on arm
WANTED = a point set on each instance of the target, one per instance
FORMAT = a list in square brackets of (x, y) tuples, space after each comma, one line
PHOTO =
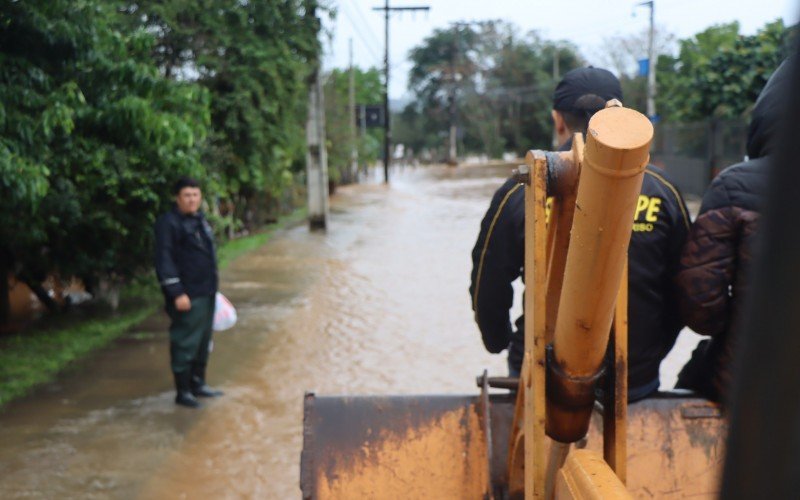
[(183, 303)]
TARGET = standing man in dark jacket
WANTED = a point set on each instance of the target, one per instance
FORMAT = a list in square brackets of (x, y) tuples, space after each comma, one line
[(660, 226), (186, 266), (715, 260)]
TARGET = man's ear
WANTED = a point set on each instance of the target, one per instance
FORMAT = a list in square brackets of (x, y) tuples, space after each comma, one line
[(558, 123)]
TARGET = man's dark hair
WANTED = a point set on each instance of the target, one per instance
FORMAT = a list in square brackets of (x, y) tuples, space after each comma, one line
[(184, 182), (584, 108)]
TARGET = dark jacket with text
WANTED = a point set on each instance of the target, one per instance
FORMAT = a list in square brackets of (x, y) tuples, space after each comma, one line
[(660, 226)]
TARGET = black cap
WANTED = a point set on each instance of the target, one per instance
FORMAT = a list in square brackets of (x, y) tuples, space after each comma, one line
[(581, 82)]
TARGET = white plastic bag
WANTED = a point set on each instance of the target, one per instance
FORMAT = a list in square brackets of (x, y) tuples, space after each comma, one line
[(224, 313)]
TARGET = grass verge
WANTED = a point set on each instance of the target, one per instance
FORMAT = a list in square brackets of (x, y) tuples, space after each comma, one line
[(233, 249), (34, 357), (30, 359)]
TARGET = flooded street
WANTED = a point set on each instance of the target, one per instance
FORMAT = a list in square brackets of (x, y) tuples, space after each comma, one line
[(377, 305)]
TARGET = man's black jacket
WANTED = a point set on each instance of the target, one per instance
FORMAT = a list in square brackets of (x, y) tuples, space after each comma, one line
[(660, 227), (186, 261)]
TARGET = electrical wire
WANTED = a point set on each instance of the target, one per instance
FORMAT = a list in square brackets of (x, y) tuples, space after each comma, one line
[(363, 18), (357, 28)]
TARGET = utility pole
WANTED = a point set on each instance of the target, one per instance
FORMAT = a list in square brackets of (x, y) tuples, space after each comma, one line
[(316, 156), (452, 154), (351, 109), (387, 137), (651, 63), (455, 56), (363, 133)]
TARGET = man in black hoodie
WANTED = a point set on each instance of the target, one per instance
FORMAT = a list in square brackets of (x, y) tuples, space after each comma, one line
[(186, 266), (660, 226), (714, 263)]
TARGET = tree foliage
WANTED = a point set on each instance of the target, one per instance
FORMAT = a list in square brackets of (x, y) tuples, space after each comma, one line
[(719, 72), (368, 90), (104, 104), (90, 137), (495, 84), (255, 59)]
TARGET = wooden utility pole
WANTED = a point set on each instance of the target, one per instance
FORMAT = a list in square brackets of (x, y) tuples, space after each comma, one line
[(362, 124), (316, 156), (387, 137), (351, 110), (452, 156)]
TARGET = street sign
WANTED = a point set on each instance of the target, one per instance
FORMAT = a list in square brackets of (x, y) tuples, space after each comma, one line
[(370, 115), (644, 67)]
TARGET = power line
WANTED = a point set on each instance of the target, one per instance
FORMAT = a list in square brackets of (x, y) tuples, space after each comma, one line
[(363, 18), (370, 46)]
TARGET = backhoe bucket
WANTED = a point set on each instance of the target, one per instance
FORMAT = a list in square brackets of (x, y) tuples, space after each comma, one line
[(398, 447), (457, 446)]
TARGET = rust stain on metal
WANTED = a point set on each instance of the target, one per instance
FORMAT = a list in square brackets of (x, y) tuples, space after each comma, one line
[(396, 448), (701, 410), (669, 456)]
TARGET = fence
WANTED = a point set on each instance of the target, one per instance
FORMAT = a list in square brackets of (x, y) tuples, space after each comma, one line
[(694, 153)]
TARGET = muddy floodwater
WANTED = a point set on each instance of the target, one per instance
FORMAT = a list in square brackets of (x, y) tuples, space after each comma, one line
[(377, 305)]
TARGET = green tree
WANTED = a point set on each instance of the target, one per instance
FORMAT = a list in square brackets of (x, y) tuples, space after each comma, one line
[(495, 84), (522, 83), (254, 58), (91, 136), (368, 90), (719, 72), (442, 77)]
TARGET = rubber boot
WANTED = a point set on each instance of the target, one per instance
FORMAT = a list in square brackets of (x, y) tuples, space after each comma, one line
[(183, 389), (199, 387)]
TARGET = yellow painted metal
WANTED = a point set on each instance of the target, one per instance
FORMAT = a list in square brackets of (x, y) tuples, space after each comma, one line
[(573, 271), (555, 461), (535, 307), (615, 156), (675, 448), (394, 448), (586, 476), (562, 208)]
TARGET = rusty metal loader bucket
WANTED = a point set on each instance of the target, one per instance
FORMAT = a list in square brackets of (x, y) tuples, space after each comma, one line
[(400, 446), (456, 446)]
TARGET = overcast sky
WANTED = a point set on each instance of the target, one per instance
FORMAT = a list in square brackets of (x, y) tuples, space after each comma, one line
[(583, 22)]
